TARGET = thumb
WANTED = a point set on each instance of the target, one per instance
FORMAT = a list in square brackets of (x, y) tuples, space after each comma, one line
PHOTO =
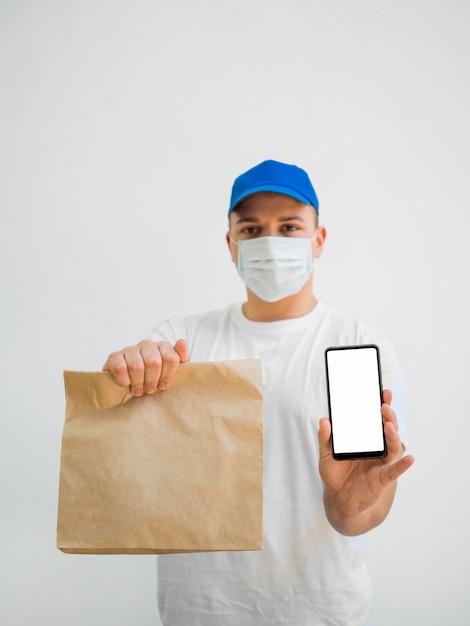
[(324, 437), (182, 349)]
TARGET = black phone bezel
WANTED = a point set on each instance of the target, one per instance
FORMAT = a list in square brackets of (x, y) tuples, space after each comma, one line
[(350, 456)]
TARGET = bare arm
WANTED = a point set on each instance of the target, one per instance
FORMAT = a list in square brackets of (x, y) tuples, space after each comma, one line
[(358, 494)]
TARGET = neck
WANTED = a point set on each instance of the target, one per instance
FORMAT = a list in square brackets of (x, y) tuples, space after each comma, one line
[(297, 305)]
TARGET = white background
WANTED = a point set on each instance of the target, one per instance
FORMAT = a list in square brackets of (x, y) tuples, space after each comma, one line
[(122, 126)]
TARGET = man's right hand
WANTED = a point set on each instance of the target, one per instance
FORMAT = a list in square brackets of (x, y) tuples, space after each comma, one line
[(148, 366)]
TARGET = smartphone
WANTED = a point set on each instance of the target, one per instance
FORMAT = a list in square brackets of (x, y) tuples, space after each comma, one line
[(354, 386)]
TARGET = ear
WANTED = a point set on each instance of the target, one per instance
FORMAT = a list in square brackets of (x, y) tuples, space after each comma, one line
[(233, 249), (319, 241)]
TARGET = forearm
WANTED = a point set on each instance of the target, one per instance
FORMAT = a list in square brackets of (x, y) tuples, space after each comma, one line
[(356, 521)]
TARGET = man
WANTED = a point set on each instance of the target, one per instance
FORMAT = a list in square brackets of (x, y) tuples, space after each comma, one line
[(310, 571)]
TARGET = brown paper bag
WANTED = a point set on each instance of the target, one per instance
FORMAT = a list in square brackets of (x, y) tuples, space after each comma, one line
[(177, 471)]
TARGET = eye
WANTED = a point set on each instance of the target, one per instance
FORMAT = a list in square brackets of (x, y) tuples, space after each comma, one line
[(249, 230), (290, 228)]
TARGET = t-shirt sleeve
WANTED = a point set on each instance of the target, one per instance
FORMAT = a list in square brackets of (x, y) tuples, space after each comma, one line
[(170, 330)]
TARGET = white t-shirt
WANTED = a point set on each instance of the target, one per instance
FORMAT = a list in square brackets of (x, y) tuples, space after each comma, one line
[(307, 574)]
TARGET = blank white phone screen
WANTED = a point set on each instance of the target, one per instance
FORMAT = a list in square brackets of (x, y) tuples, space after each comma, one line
[(355, 400)]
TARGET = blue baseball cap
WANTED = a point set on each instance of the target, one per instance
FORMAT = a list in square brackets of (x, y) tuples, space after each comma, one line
[(289, 180)]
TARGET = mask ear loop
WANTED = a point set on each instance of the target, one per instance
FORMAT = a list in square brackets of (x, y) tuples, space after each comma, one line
[(238, 246)]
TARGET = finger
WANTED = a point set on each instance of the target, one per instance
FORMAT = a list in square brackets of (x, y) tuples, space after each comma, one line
[(116, 364), (170, 363), (324, 437), (153, 365), (394, 445), (387, 396), (182, 349), (136, 369), (394, 471), (389, 415)]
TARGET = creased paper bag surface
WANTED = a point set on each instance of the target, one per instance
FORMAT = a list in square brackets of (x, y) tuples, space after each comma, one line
[(177, 471)]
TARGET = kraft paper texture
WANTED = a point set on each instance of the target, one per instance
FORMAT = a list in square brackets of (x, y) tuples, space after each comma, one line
[(178, 471)]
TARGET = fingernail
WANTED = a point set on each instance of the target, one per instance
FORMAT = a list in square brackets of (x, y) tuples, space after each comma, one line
[(149, 390), (138, 392), (162, 386)]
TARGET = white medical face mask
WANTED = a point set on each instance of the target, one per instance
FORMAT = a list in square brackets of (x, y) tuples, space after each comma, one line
[(275, 267)]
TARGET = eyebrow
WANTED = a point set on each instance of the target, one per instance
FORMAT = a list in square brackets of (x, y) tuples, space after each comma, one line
[(255, 220)]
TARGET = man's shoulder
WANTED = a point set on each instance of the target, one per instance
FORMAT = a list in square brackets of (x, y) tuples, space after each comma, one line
[(184, 324), (211, 316), (349, 327), (341, 318)]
